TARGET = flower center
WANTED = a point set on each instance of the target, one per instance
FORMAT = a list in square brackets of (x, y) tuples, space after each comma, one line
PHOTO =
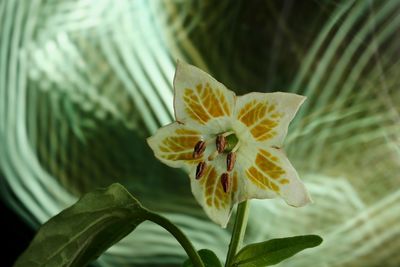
[(226, 144), (232, 143)]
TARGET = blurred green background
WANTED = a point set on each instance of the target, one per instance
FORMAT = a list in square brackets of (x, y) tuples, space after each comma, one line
[(84, 82)]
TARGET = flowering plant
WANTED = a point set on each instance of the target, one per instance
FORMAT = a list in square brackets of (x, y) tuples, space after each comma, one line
[(230, 146)]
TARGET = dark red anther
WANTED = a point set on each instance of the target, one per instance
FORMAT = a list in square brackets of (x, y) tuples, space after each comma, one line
[(230, 161), (199, 149), (200, 169), (225, 181), (220, 142)]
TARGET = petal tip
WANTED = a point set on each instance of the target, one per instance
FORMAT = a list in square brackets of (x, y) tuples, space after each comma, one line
[(220, 219), (149, 141), (297, 99), (293, 98), (301, 200), (180, 66), (224, 222)]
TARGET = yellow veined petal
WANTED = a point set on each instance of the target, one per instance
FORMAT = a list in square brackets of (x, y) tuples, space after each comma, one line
[(209, 192), (267, 115), (198, 97), (267, 173), (173, 144)]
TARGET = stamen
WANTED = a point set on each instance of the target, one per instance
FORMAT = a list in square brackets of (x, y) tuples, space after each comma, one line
[(199, 149), (230, 161), (225, 181), (201, 167), (220, 142)]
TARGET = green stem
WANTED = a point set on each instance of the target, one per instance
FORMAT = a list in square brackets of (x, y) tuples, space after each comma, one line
[(179, 236), (239, 229)]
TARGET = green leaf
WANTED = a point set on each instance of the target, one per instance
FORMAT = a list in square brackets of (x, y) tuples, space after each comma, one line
[(209, 258), (80, 233), (274, 251)]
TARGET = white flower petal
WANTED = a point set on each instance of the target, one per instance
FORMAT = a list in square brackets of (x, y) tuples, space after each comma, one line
[(199, 98), (173, 144), (267, 173), (267, 115), (209, 192)]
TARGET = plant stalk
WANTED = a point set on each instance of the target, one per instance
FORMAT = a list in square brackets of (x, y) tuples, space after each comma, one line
[(179, 236), (239, 229)]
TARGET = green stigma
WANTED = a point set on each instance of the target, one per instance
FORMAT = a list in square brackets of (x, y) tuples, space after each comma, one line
[(231, 142)]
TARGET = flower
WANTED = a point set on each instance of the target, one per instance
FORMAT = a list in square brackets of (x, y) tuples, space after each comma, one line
[(230, 145)]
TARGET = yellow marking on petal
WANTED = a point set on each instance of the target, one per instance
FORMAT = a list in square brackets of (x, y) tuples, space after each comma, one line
[(284, 181), (258, 178), (209, 191), (214, 193), (266, 163), (179, 146), (266, 154), (186, 132), (276, 115), (234, 182), (266, 172), (250, 112), (274, 187), (178, 143), (271, 108), (182, 156), (263, 130), (204, 103), (261, 118)]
